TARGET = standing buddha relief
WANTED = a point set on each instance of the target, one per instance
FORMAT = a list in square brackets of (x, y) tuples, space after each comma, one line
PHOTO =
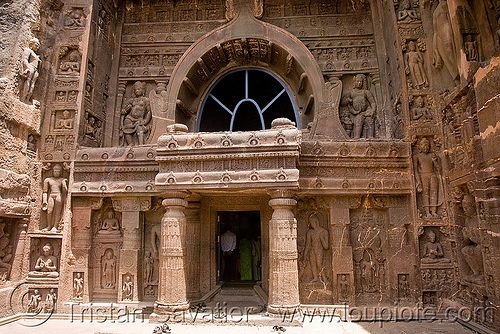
[(414, 65), (443, 41), (428, 181), (316, 245)]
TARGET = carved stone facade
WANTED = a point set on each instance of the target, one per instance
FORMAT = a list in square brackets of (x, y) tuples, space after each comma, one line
[(368, 148)]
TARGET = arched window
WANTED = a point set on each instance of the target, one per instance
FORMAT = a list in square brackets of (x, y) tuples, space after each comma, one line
[(246, 100)]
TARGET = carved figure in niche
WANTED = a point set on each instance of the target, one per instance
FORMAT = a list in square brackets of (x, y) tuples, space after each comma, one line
[(60, 96), (46, 264), (30, 63), (136, 117), (403, 287), (78, 286), (35, 302), (433, 251), (66, 122), (414, 62), (109, 269), (50, 301), (444, 48), (72, 95), (316, 244), (31, 143), (398, 124), (72, 64), (5, 255), (406, 14), (110, 223), (155, 235), (346, 122), (369, 269), (362, 108), (128, 288), (470, 46), (90, 126), (473, 257), (420, 111), (428, 179), (343, 287), (469, 205), (54, 193), (75, 18), (148, 267)]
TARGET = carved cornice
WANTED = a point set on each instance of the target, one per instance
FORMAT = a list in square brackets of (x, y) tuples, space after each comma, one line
[(215, 160)]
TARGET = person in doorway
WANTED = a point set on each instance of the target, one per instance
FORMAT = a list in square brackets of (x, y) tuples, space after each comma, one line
[(228, 245), (256, 258), (245, 259)]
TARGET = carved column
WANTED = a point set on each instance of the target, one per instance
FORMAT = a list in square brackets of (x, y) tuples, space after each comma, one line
[(117, 117), (193, 230), (172, 284), (283, 269), (132, 240)]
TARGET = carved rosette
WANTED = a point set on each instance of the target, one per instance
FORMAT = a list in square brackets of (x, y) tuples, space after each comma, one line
[(283, 273), (172, 288)]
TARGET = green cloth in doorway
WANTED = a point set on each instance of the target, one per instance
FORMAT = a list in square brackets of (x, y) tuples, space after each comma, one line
[(246, 259)]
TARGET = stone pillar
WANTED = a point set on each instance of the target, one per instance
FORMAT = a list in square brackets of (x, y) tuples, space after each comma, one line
[(193, 230), (283, 269), (172, 290), (130, 253)]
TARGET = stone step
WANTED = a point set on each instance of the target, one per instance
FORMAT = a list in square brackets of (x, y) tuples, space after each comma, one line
[(231, 298)]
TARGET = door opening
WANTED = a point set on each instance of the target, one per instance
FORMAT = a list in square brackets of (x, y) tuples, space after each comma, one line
[(239, 246)]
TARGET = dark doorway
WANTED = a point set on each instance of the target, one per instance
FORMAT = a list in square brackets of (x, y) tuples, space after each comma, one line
[(239, 246)]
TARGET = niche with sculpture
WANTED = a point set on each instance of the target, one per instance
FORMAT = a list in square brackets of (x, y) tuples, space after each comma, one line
[(315, 269), (105, 258), (471, 251), (41, 300), (150, 262), (44, 258), (436, 267), (368, 228), (8, 236), (136, 114), (54, 193), (106, 223), (428, 179), (358, 108)]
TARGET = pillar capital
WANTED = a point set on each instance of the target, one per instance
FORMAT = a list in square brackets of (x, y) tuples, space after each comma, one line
[(282, 193)]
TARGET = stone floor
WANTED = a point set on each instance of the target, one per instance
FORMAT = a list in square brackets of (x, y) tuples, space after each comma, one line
[(65, 326)]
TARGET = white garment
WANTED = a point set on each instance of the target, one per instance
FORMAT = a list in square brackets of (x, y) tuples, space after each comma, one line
[(228, 241)]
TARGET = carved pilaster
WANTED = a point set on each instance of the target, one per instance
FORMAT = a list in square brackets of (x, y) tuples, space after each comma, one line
[(132, 239), (172, 285), (193, 230), (283, 269), (81, 241)]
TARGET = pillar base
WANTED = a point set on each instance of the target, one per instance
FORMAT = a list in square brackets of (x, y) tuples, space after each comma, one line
[(170, 309), (281, 311)]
